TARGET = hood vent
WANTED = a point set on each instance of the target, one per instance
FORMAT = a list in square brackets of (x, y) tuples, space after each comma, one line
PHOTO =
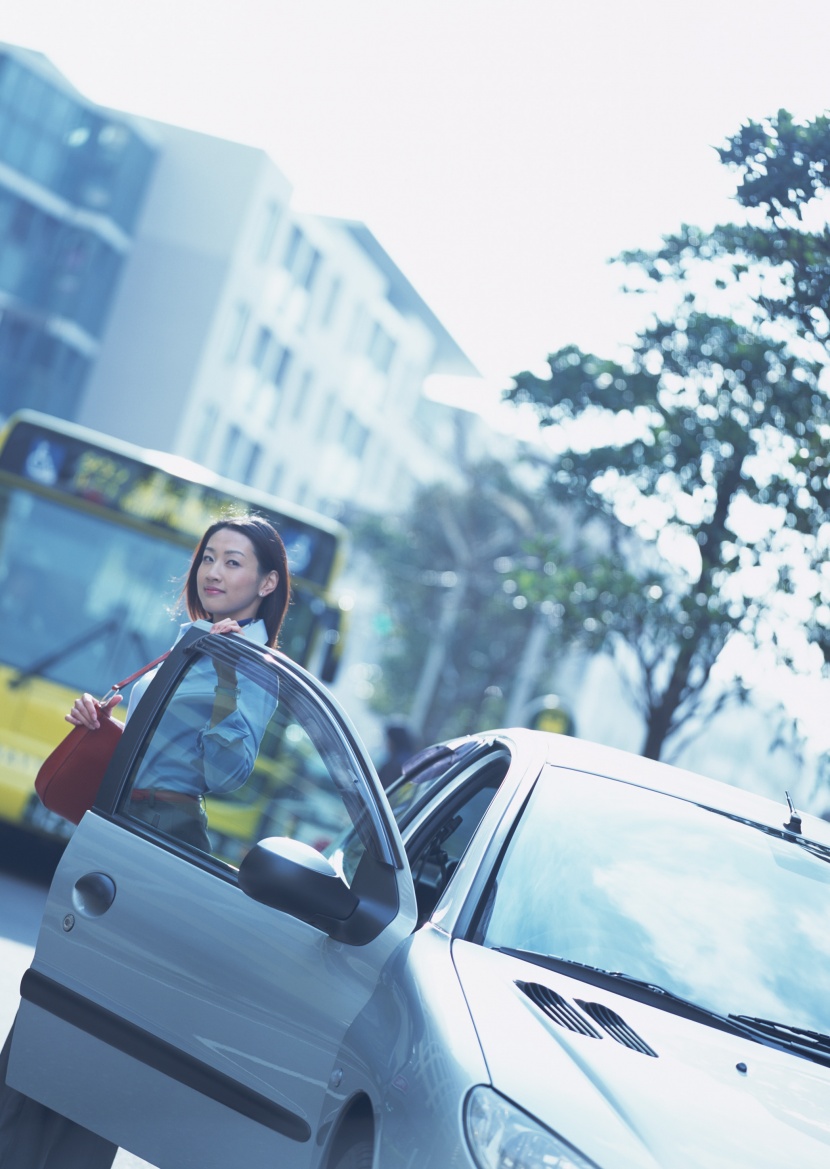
[(558, 1008), (616, 1027), (568, 1015)]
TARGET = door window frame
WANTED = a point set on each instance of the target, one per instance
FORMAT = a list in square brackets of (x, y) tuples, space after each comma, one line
[(250, 658)]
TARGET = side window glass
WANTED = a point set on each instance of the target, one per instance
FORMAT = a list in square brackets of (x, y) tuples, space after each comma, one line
[(434, 856), (239, 753)]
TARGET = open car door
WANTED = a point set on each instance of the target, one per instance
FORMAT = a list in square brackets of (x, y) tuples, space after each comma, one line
[(190, 1003)]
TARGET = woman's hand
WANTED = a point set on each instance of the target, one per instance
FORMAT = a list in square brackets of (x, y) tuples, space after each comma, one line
[(226, 625), (84, 712)]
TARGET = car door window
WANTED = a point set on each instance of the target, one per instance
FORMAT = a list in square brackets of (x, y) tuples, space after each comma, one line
[(437, 847), (239, 753)]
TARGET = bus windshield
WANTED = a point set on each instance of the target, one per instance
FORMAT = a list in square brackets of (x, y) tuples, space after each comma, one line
[(84, 601)]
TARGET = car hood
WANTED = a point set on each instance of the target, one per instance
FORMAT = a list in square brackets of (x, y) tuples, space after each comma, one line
[(650, 1088)]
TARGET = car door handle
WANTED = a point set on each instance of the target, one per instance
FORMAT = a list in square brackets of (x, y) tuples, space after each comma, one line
[(93, 894)]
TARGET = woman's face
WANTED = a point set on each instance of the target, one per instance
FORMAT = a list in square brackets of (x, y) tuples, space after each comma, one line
[(229, 580)]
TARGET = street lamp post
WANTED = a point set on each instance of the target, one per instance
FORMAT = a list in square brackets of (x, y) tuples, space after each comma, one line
[(529, 668), (438, 650)]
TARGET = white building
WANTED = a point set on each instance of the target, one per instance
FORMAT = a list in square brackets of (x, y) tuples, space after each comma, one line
[(283, 349), (158, 285), (72, 180)]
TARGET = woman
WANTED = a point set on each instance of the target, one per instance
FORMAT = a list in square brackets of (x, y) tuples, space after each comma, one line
[(208, 738), (238, 580)]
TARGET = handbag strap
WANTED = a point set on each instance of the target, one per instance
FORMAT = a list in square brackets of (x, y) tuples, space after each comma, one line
[(119, 686)]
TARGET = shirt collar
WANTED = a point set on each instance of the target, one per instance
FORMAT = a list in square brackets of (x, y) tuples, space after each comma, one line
[(256, 631)]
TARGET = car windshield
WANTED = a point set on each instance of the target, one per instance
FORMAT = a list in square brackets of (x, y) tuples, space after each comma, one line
[(715, 910)]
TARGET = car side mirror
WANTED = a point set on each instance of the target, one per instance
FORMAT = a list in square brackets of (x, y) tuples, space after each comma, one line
[(293, 877), (296, 879)]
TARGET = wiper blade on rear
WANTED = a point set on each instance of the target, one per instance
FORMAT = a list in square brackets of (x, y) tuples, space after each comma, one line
[(637, 988)]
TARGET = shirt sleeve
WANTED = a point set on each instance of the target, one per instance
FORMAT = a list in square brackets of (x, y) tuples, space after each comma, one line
[(230, 748)]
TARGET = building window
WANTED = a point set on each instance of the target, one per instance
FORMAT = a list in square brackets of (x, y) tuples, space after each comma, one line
[(241, 456), (238, 326), (276, 479), (312, 267), (381, 348), (332, 298), (268, 231), (354, 436), (329, 417), (77, 151), (252, 463), (292, 249), (54, 266), (302, 395), (202, 444), (233, 440), (38, 370), (261, 352), (282, 366), (358, 329), (301, 260), (274, 403)]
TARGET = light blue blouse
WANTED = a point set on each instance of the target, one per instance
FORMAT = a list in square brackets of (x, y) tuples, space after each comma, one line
[(185, 753)]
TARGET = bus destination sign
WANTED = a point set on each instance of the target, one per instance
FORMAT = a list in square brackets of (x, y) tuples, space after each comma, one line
[(71, 467)]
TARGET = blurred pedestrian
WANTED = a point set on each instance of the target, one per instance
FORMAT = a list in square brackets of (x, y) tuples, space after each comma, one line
[(400, 746)]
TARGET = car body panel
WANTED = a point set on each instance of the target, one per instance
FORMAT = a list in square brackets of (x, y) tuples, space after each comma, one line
[(414, 1052), (687, 1106)]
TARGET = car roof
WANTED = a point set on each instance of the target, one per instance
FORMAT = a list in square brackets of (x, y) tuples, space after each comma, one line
[(583, 755)]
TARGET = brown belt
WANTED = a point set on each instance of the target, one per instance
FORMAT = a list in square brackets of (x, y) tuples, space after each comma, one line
[(138, 795)]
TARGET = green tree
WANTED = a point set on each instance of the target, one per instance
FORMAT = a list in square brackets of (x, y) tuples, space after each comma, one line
[(779, 258), (457, 620), (708, 441)]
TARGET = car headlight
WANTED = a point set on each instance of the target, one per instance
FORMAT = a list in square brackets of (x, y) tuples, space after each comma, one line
[(501, 1136)]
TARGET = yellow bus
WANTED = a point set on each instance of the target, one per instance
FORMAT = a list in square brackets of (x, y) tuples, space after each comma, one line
[(91, 528)]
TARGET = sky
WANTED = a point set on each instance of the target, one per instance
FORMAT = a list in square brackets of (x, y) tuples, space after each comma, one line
[(501, 150)]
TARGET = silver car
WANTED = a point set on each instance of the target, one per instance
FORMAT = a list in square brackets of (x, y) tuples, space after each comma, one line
[(532, 953)]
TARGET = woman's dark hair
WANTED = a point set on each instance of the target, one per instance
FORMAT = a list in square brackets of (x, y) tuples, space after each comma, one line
[(271, 557)]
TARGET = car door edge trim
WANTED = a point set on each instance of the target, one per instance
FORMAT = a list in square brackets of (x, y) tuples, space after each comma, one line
[(109, 1028)]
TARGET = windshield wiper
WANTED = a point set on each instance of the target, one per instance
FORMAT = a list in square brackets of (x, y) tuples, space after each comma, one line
[(812, 1044), (637, 988), (796, 1040), (92, 635)]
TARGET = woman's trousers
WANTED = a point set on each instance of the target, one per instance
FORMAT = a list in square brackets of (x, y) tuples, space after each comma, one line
[(34, 1137)]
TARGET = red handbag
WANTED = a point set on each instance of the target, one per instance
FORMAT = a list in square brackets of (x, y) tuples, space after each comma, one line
[(68, 781)]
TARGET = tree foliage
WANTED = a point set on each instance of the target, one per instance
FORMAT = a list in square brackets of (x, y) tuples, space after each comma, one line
[(709, 440), (783, 170), (456, 614)]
